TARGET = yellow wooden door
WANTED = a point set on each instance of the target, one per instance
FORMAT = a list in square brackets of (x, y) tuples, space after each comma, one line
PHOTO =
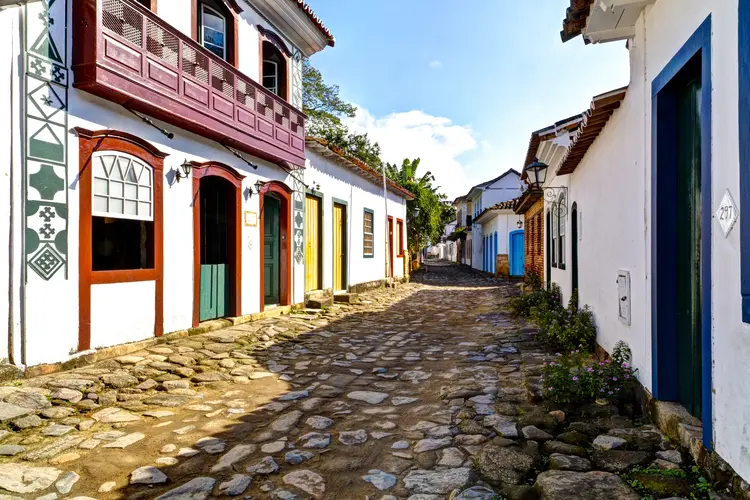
[(339, 247), (312, 243)]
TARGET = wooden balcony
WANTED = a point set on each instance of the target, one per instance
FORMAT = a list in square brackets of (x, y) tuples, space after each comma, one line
[(126, 54)]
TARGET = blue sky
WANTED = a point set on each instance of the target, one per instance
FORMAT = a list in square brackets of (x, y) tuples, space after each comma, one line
[(461, 84)]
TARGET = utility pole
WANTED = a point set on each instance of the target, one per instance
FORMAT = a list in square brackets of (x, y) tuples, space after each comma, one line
[(387, 234)]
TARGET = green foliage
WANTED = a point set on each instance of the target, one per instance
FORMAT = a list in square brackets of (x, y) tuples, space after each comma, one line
[(567, 328), (325, 110), (567, 379), (646, 481), (533, 279), (576, 378), (321, 103), (434, 210)]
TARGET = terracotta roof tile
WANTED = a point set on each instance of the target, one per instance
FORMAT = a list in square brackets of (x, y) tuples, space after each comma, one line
[(503, 205), (320, 145), (575, 19), (594, 121), (316, 21)]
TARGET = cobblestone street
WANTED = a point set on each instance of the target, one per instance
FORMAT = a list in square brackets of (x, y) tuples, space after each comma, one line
[(411, 393)]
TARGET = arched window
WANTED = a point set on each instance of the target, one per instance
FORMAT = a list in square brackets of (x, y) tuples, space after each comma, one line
[(560, 222), (213, 30), (274, 70), (122, 212), (215, 27), (123, 186)]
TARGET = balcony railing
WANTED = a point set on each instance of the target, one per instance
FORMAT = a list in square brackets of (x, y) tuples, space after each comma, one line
[(126, 54)]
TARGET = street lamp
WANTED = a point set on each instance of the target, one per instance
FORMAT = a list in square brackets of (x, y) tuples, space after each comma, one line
[(519, 224), (537, 172)]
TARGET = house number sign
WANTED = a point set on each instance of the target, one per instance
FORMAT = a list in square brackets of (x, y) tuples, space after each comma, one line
[(727, 213)]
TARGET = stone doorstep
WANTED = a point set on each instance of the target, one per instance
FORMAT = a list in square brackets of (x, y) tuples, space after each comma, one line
[(124, 349), (346, 298), (683, 428)]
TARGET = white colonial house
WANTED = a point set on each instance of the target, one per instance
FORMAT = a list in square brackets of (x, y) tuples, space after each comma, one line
[(153, 173), (655, 178), (502, 239), (346, 220), (487, 194)]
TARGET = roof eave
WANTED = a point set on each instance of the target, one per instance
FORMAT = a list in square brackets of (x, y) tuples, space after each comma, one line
[(321, 147)]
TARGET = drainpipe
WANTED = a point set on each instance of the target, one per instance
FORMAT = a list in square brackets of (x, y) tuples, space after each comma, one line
[(11, 301)]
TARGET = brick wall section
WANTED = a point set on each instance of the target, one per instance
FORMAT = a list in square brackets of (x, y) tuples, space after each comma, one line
[(534, 234)]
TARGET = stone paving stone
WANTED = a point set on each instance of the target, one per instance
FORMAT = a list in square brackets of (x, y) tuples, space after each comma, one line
[(430, 377)]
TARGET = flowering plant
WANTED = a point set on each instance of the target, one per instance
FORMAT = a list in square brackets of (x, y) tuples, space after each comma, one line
[(576, 378)]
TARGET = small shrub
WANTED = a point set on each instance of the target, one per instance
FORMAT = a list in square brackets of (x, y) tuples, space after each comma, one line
[(568, 328), (567, 379), (576, 378), (579, 332), (532, 278)]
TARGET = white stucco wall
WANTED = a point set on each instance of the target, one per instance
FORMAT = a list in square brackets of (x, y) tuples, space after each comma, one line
[(132, 320), (109, 327), (669, 24), (505, 189), (339, 183), (612, 186), (10, 184), (608, 188), (503, 224)]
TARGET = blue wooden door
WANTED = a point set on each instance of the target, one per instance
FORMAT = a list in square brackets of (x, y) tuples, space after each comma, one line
[(516, 253)]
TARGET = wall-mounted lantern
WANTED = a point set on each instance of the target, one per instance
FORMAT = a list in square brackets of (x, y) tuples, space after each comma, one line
[(186, 167)]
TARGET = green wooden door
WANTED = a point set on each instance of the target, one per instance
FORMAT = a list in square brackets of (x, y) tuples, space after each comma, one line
[(271, 256), (214, 251), (688, 258)]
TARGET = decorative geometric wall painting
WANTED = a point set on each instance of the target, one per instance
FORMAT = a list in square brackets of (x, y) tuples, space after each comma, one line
[(46, 141)]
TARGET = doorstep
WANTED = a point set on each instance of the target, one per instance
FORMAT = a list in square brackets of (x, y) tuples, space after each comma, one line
[(686, 430)]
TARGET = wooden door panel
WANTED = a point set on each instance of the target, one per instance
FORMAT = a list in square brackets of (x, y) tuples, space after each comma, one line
[(312, 244), (208, 304), (339, 246), (271, 254), (688, 258)]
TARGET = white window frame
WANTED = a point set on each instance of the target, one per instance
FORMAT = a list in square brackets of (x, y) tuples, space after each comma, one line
[(223, 18), (365, 253), (275, 88), (99, 174)]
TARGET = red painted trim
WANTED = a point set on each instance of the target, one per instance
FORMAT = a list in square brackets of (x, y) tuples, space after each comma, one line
[(217, 169), (131, 276), (124, 136), (284, 193), (400, 249), (390, 244), (233, 6), (194, 20), (274, 39), (224, 171), (115, 140)]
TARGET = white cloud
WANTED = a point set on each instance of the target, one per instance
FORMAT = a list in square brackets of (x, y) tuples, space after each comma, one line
[(435, 64), (415, 134)]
